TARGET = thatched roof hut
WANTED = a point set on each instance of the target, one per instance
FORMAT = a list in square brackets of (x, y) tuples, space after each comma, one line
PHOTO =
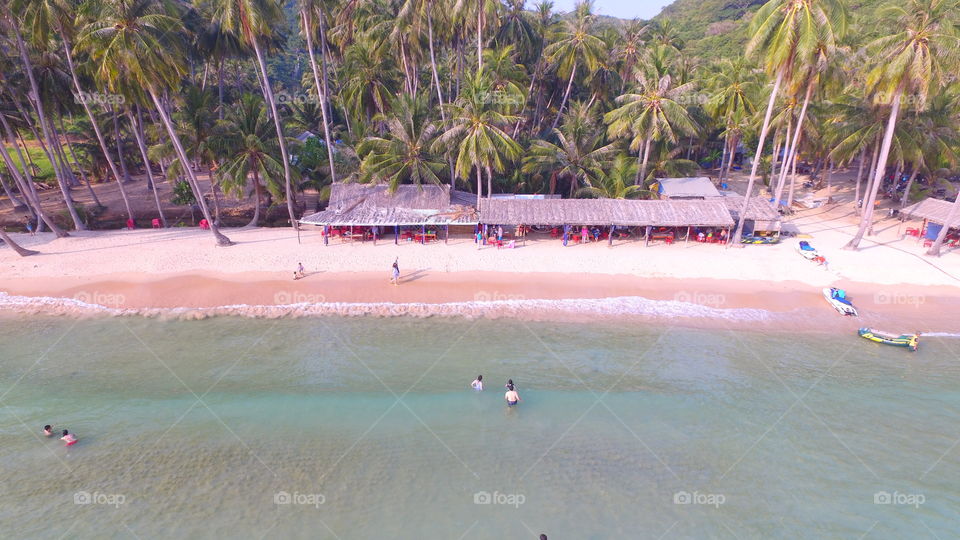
[(369, 205), (933, 210), (759, 211), (605, 212)]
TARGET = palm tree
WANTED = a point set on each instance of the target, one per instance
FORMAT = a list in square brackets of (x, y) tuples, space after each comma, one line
[(615, 181), (247, 149), (403, 155), (254, 21), (140, 44), (579, 153), (575, 47), (312, 14), (920, 52), (652, 113), (787, 33), (735, 86), (476, 134)]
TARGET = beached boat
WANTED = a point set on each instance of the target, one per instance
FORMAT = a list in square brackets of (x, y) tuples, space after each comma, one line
[(837, 298), (910, 341), (750, 239), (807, 251)]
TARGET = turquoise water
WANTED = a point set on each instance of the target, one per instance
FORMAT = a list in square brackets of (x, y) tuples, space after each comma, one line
[(199, 428)]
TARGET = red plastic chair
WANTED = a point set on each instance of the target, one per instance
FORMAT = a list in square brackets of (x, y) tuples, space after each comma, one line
[(204, 224), (131, 224), (155, 223)]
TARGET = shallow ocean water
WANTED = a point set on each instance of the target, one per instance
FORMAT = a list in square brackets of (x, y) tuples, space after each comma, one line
[(365, 428)]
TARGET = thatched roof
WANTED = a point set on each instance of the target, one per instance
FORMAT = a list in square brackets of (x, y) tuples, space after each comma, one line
[(757, 210), (934, 210), (603, 212), (368, 205), (699, 187)]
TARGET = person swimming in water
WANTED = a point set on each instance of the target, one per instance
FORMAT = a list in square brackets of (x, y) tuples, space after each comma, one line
[(512, 397), (48, 430), (69, 438), (477, 383), (509, 385)]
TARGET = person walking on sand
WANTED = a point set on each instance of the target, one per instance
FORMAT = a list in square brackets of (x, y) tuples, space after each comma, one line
[(479, 237), (512, 397), (396, 273), (29, 226), (477, 383), (300, 273)]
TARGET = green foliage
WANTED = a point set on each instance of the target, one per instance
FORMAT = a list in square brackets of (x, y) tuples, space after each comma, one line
[(183, 194)]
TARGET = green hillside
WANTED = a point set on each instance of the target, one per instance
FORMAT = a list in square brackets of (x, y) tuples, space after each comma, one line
[(718, 28)]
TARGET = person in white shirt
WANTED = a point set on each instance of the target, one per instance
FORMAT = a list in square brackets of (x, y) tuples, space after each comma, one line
[(477, 383)]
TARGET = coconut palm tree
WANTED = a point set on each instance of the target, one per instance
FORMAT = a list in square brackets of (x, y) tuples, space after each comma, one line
[(615, 181), (652, 112), (403, 154), (312, 15), (248, 151), (575, 47), (920, 52), (475, 133), (254, 21), (787, 33), (139, 43)]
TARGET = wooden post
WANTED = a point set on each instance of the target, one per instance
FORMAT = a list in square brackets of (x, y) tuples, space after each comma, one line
[(687, 239), (646, 237), (326, 235), (396, 235), (446, 234), (423, 234), (610, 237), (351, 232)]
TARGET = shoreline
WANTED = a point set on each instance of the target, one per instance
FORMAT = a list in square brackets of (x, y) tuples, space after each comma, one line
[(708, 303)]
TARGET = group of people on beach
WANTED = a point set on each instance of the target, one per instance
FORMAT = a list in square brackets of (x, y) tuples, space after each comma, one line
[(68, 438), (511, 396)]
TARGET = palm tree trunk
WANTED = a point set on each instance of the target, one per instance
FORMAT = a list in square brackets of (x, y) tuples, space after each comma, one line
[(878, 174), (118, 142), (191, 176), (934, 250), (906, 191), (775, 158), (256, 191), (830, 183), (723, 155), (83, 174), (31, 196), (321, 91), (479, 35), (25, 183), (479, 185), (566, 95), (489, 182), (642, 171), (533, 80), (793, 176), (137, 127), (220, 88), (795, 143), (96, 127), (15, 202), (57, 165), (785, 166), (856, 197), (21, 251), (735, 240), (37, 103), (268, 94), (734, 141), (433, 60)]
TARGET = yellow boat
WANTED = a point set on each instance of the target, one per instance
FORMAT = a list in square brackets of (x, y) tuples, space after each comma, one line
[(910, 341)]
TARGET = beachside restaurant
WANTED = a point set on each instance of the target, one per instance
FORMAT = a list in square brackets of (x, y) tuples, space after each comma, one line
[(421, 214), (590, 220), (934, 213)]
